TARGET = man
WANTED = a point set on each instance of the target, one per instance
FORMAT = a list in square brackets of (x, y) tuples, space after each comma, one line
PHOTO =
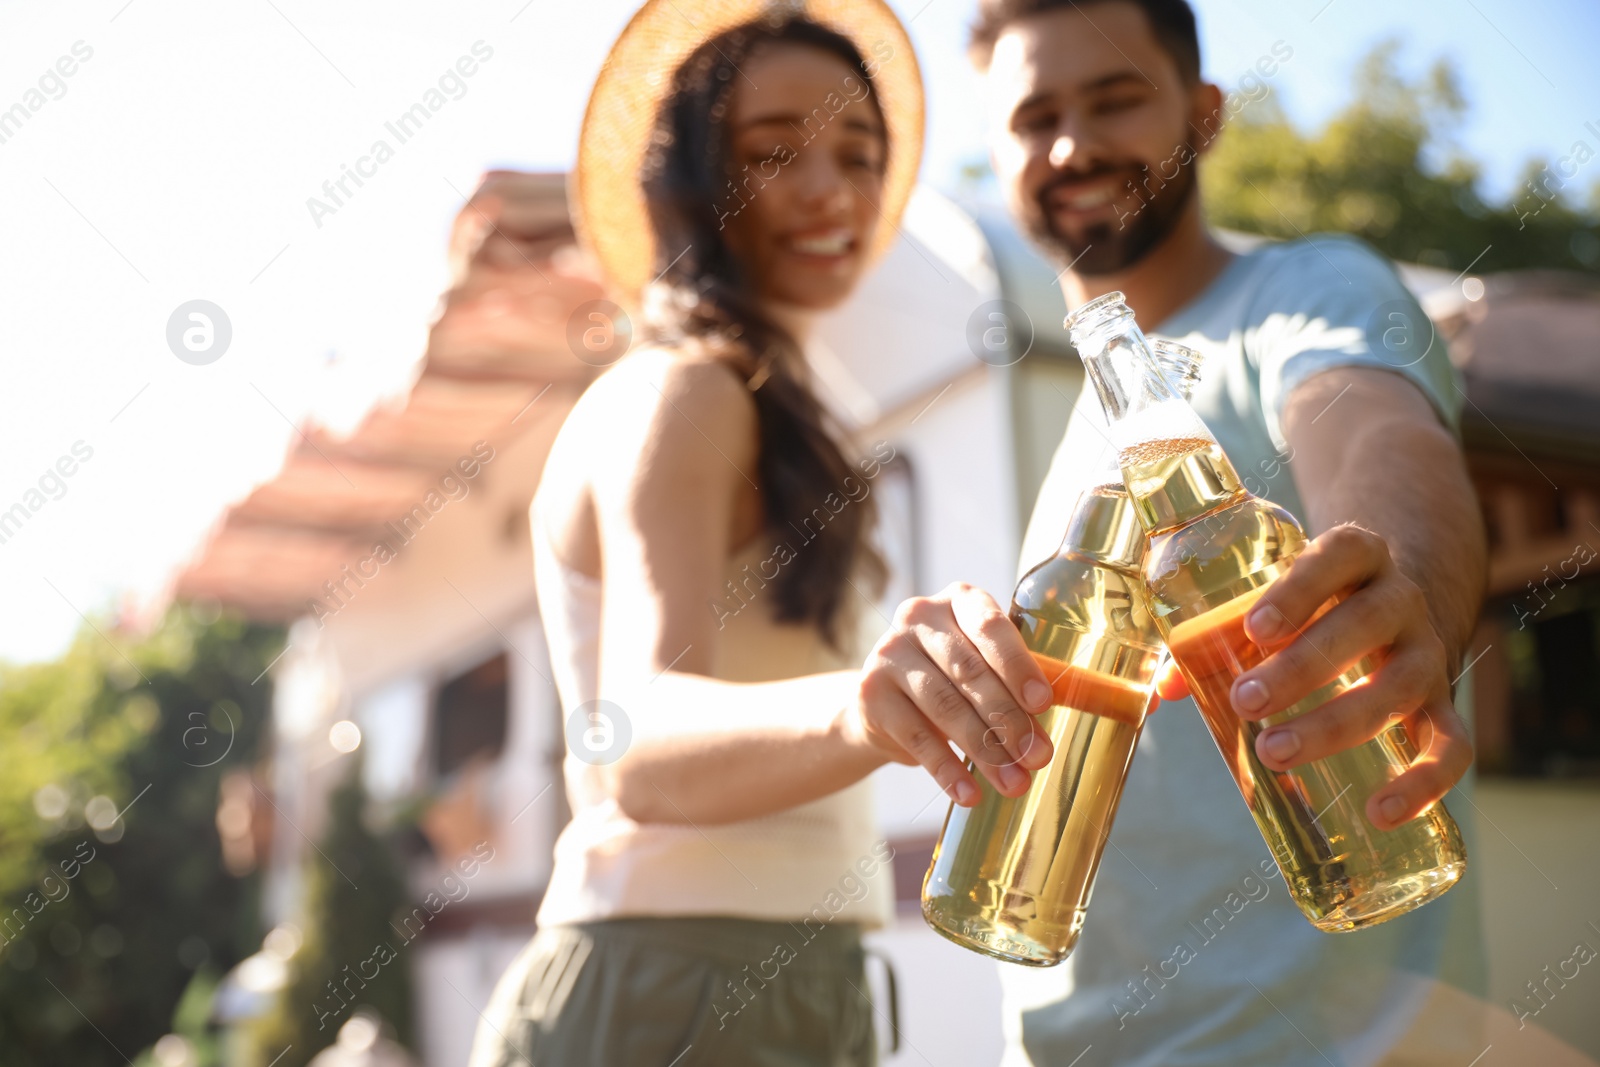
[(1323, 384)]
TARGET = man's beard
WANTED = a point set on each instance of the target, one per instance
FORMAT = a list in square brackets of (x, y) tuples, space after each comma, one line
[(1118, 244)]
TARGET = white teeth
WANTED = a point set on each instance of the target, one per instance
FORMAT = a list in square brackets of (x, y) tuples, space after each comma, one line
[(835, 244), (1089, 200)]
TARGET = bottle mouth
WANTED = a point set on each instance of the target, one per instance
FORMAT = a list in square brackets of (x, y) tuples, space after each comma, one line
[(1180, 363), (1096, 313)]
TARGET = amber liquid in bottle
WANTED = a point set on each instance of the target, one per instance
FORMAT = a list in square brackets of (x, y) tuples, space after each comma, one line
[(1011, 877), (1214, 548)]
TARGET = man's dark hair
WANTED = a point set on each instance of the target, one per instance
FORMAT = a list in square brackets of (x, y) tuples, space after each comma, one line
[(1172, 22)]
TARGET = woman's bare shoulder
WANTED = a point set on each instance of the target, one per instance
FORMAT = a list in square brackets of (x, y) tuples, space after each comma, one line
[(658, 434), (657, 397), (654, 374)]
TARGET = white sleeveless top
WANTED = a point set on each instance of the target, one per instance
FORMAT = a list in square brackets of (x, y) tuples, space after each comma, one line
[(806, 861)]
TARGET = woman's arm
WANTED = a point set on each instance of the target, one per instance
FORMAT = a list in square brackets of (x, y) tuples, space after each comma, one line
[(737, 751), (677, 449)]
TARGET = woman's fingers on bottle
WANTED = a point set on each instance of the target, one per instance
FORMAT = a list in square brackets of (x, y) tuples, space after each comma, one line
[(944, 714), (1446, 753), (1344, 558), (1368, 621), (948, 712), (1009, 736), (895, 717), (991, 631)]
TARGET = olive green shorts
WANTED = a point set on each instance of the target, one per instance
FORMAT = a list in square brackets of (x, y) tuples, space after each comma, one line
[(682, 992)]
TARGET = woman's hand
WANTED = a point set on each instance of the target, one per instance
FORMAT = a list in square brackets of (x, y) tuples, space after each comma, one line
[(953, 668)]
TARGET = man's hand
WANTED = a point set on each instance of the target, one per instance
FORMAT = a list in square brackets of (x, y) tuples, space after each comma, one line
[(953, 668), (1383, 616)]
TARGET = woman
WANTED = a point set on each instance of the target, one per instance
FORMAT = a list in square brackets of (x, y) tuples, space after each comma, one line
[(703, 612)]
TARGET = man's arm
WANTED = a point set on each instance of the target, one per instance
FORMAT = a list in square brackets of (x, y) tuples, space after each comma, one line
[(1387, 465), (1399, 538)]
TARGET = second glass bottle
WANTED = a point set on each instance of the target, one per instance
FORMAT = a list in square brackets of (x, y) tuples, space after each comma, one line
[(1011, 877)]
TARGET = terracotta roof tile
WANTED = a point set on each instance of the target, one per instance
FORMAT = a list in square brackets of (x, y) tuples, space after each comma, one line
[(498, 344)]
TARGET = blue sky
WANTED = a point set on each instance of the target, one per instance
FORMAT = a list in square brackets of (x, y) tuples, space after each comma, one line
[(176, 163), (1528, 69)]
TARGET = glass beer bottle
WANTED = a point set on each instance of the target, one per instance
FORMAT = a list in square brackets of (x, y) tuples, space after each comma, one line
[(1011, 876), (1214, 548)]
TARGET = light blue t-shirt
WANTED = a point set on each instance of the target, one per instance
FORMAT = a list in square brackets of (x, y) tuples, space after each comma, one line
[(1192, 953)]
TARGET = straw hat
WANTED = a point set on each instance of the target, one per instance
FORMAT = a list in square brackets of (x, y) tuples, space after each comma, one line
[(609, 209)]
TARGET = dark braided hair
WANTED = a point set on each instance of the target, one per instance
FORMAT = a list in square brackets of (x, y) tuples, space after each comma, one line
[(705, 298)]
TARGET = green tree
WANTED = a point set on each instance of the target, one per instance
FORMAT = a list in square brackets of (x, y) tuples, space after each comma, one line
[(112, 888), (1387, 170), (352, 954), (191, 1027)]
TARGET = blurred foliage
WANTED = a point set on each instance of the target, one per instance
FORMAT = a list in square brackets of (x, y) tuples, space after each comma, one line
[(191, 1039), (353, 954), (1387, 169), (102, 930)]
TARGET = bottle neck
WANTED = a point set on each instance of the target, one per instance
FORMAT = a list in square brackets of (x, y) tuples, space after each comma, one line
[(1104, 529), (1174, 469), (1174, 481)]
